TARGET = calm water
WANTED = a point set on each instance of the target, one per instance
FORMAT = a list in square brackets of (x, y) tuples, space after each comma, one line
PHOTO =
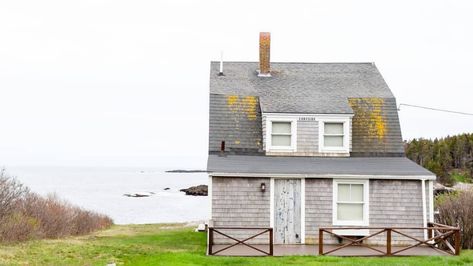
[(102, 189)]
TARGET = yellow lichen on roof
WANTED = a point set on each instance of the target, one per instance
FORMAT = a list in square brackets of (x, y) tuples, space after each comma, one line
[(250, 103), (232, 99), (247, 105), (369, 115)]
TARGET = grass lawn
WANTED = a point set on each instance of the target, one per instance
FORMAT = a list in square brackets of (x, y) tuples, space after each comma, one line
[(161, 244)]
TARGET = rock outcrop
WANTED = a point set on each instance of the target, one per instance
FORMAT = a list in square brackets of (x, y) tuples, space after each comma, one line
[(200, 190)]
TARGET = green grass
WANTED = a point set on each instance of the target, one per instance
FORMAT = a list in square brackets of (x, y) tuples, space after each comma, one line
[(162, 244)]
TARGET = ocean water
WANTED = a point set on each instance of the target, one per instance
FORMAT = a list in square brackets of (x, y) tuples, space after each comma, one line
[(101, 189)]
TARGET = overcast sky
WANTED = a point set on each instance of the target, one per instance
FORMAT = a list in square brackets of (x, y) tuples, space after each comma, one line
[(126, 82)]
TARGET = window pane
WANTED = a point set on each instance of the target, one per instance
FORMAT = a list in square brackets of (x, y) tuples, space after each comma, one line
[(281, 140), (349, 212), (357, 192), (343, 192), (333, 128), (333, 141), (282, 127)]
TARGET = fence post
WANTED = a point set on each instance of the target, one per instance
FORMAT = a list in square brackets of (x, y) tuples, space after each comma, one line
[(429, 230), (211, 240), (388, 241), (321, 241), (457, 241), (270, 241)]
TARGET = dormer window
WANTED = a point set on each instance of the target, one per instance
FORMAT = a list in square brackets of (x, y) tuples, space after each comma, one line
[(281, 134), (334, 135)]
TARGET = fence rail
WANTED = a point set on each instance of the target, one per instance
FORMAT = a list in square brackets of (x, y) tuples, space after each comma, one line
[(261, 231), (438, 236)]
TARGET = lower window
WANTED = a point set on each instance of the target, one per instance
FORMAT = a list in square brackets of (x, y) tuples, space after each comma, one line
[(350, 202)]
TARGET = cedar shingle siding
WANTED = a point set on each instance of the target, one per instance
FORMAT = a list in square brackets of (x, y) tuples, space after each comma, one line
[(239, 202)]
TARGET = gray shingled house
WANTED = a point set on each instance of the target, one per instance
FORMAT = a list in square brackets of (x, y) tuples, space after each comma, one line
[(299, 146)]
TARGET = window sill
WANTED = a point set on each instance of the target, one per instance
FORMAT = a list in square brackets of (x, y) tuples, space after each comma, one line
[(281, 150), (352, 232)]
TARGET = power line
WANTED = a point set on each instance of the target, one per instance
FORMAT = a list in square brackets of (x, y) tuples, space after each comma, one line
[(434, 109)]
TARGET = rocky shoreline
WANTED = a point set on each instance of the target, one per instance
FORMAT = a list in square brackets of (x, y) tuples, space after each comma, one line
[(200, 190)]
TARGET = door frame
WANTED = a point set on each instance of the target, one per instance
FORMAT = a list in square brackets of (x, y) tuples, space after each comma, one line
[(302, 200)]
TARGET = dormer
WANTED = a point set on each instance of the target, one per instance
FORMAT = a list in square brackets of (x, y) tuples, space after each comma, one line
[(307, 134)]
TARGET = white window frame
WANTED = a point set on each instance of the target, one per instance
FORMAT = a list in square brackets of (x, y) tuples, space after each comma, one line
[(346, 135), (366, 189), (269, 130)]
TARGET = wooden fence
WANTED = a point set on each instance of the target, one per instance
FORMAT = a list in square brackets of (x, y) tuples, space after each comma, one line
[(438, 236), (260, 231)]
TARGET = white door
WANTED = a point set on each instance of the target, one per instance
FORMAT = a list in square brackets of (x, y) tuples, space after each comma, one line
[(287, 211)]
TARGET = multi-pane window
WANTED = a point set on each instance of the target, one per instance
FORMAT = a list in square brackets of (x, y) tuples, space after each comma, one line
[(281, 134), (350, 202), (333, 135)]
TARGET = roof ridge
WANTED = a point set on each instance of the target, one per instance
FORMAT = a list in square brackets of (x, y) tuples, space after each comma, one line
[(256, 62)]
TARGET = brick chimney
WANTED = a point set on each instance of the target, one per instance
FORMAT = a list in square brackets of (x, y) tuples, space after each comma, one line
[(264, 51)]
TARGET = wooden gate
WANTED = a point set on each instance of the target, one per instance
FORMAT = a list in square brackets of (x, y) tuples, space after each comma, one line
[(287, 211)]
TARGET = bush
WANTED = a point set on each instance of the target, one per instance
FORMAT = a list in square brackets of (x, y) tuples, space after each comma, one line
[(457, 209), (25, 215)]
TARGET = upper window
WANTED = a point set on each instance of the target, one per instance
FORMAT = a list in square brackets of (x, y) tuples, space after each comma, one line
[(350, 203), (333, 134), (281, 134)]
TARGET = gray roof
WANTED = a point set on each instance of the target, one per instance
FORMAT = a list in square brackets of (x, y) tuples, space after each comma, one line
[(391, 166), (237, 121), (317, 88)]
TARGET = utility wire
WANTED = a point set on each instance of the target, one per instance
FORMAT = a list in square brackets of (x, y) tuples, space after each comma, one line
[(434, 109)]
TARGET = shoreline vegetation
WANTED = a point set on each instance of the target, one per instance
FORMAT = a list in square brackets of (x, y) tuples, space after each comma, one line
[(174, 244), (25, 215)]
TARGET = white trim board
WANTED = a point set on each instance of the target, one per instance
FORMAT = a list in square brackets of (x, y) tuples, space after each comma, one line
[(334, 176), (366, 202), (302, 210), (431, 200), (271, 203), (307, 115), (424, 208), (269, 130), (346, 134), (210, 186)]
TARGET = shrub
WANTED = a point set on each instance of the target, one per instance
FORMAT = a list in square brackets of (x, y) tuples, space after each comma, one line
[(457, 209), (26, 215)]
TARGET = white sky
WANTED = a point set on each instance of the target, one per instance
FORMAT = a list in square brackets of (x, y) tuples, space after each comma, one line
[(126, 82)]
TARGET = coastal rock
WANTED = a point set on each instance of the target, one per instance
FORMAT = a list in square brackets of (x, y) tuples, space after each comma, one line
[(139, 194), (200, 190)]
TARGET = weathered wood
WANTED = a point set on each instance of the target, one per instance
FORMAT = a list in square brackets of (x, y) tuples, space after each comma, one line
[(388, 242), (452, 249), (420, 242), (444, 232), (287, 211), (240, 242), (353, 242), (380, 228), (211, 240), (457, 241), (321, 241)]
